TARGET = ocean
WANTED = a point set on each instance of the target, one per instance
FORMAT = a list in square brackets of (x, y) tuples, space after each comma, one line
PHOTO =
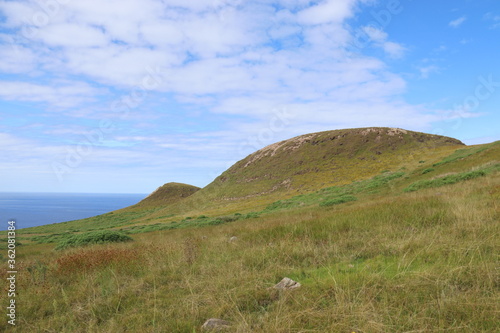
[(35, 209)]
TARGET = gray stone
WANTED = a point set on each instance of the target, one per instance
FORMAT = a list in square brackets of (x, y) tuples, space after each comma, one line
[(233, 239), (287, 284), (216, 325)]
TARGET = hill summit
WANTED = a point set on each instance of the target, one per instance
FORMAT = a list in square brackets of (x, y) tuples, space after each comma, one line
[(331, 157)]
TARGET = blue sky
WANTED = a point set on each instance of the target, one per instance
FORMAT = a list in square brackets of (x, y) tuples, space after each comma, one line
[(122, 96)]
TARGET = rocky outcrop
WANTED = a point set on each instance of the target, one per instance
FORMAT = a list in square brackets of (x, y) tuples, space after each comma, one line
[(216, 325)]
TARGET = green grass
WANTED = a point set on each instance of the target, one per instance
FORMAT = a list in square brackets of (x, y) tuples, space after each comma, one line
[(397, 263), (94, 237), (339, 200), (50, 232), (451, 179), (462, 154), (337, 194), (51, 238)]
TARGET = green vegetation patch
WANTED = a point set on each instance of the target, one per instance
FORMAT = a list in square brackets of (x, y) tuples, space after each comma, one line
[(52, 238), (428, 170), (285, 204), (337, 194), (200, 221), (461, 154), (339, 200), (101, 222), (383, 266), (451, 179), (95, 237)]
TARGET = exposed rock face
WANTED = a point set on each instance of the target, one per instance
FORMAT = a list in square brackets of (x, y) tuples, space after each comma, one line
[(287, 284), (216, 325)]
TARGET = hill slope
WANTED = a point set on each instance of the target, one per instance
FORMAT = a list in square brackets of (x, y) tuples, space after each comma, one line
[(313, 161)]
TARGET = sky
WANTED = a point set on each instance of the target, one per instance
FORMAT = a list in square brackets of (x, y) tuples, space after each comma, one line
[(122, 96)]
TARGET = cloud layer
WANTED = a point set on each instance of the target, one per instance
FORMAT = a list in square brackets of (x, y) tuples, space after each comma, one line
[(195, 82)]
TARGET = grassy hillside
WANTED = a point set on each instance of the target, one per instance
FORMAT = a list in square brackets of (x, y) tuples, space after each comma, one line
[(292, 167), (309, 162), (411, 248)]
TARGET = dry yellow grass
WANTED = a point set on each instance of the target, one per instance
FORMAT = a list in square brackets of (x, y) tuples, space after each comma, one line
[(425, 261)]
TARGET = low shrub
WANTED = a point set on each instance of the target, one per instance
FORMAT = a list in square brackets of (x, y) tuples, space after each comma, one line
[(95, 237), (427, 170), (251, 215)]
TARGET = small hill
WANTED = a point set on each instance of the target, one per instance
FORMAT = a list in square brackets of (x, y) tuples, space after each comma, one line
[(326, 157), (167, 194), (313, 161)]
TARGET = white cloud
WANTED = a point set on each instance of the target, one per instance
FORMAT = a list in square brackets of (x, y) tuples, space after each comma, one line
[(375, 34), (16, 58), (327, 11), (61, 95), (72, 35), (426, 71), (458, 22), (394, 50), (494, 19), (379, 38)]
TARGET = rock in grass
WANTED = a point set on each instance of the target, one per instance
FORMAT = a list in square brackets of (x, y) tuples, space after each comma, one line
[(233, 239), (287, 284), (216, 325)]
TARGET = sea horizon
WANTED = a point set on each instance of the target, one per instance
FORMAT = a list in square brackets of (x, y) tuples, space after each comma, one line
[(32, 209)]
